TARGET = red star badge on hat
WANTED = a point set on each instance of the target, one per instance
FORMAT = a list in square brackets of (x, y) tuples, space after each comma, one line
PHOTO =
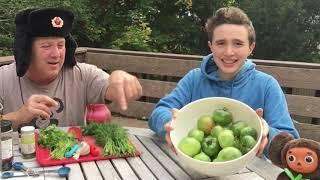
[(57, 22)]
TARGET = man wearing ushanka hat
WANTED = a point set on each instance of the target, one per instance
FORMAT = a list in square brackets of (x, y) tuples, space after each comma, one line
[(46, 85)]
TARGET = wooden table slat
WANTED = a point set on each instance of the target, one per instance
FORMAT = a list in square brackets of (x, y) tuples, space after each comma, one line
[(158, 170), (91, 171), (19, 158), (107, 170), (244, 176), (140, 168), (170, 165), (192, 173), (76, 172), (124, 169), (265, 169), (142, 132)]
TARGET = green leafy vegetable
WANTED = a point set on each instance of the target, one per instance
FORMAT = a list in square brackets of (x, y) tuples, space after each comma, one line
[(112, 137), (56, 140)]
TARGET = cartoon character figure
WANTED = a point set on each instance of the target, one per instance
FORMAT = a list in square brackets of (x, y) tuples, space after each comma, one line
[(300, 158)]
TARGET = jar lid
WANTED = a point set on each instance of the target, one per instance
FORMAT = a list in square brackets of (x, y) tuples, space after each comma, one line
[(27, 128), (6, 125)]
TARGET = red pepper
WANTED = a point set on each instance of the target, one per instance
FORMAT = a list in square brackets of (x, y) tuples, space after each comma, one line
[(94, 150), (76, 132)]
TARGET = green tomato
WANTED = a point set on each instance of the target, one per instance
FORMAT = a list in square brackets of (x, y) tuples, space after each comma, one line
[(222, 117), (226, 138), (202, 157), (237, 143), (249, 131), (228, 153), (210, 146), (217, 160), (196, 133), (237, 127), (205, 124), (190, 146), (247, 143), (216, 131)]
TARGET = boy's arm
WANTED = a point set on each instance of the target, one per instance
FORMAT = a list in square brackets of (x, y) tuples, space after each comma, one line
[(276, 111), (179, 97)]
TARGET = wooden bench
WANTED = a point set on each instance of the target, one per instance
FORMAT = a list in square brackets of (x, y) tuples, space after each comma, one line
[(158, 73)]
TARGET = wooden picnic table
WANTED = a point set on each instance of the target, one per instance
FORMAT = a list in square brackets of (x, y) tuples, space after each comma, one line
[(155, 162)]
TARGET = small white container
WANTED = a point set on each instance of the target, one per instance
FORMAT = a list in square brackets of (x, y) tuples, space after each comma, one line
[(27, 142)]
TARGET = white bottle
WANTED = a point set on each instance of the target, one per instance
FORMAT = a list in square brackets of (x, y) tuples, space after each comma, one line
[(27, 142)]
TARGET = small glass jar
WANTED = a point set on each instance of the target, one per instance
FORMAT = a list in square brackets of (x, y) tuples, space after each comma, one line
[(27, 142), (6, 145)]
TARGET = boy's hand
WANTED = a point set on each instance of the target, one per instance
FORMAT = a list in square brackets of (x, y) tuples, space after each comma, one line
[(169, 128), (265, 133)]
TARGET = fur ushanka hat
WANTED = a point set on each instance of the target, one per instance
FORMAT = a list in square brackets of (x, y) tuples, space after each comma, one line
[(43, 22)]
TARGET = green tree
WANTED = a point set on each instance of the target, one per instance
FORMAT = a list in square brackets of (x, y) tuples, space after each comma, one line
[(286, 30)]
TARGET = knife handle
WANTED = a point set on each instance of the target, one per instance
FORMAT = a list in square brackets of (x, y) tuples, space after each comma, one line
[(72, 151)]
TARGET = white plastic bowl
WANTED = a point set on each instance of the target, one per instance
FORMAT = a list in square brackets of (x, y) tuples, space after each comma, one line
[(187, 119)]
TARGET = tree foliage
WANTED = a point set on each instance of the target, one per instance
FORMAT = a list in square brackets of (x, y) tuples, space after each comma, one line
[(286, 30), (87, 31)]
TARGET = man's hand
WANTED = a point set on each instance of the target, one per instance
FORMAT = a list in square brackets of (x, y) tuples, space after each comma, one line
[(169, 128), (265, 130), (123, 87), (36, 106)]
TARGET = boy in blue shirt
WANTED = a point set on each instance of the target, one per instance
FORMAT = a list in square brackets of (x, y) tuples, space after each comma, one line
[(228, 73)]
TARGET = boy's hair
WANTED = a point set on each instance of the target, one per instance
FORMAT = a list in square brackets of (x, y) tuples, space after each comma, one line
[(230, 15)]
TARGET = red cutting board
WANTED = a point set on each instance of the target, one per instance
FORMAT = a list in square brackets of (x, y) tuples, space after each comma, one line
[(43, 155)]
